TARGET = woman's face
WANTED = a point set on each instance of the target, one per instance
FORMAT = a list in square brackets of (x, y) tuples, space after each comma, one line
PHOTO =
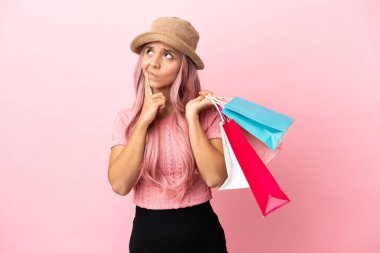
[(162, 62)]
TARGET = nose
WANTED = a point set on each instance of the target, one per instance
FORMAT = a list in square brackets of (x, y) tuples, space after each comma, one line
[(155, 61)]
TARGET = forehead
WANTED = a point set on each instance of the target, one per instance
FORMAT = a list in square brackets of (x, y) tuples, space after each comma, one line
[(161, 45)]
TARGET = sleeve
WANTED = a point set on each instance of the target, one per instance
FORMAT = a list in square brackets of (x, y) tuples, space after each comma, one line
[(118, 136), (213, 128)]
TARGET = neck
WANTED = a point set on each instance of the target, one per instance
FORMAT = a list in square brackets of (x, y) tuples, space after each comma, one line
[(169, 107), (165, 91)]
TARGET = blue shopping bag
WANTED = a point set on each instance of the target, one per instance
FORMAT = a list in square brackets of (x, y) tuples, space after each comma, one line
[(265, 124)]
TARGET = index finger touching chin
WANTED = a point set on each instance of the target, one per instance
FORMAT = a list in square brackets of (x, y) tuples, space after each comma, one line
[(148, 89)]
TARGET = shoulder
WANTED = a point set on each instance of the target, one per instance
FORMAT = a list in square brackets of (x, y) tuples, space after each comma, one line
[(120, 124), (125, 111), (122, 117), (209, 116), (124, 114)]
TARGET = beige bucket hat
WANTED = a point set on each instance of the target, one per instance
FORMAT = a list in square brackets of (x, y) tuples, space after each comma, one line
[(175, 32)]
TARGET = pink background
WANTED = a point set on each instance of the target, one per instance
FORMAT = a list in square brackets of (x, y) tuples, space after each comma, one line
[(66, 69)]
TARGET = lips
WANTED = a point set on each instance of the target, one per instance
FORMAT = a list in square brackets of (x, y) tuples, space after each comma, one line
[(151, 74)]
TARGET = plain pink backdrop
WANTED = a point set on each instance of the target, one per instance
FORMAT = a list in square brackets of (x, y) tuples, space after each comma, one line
[(66, 69)]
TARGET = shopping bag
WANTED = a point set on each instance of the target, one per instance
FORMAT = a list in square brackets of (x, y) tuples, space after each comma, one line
[(265, 153), (235, 176), (246, 169), (265, 124), (264, 187)]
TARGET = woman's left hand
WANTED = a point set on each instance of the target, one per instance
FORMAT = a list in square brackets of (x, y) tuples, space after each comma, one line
[(196, 105)]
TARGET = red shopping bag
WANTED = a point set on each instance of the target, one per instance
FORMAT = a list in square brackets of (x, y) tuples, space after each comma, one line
[(264, 187)]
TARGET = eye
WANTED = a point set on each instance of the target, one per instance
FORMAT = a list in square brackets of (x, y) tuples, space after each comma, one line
[(171, 56), (147, 51), (166, 53)]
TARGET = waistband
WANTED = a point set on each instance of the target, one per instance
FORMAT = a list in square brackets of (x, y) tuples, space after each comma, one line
[(150, 215)]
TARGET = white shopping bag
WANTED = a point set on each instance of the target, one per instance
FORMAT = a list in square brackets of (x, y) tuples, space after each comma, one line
[(236, 178)]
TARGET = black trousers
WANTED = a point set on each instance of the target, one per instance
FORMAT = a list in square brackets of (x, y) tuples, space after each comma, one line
[(194, 229)]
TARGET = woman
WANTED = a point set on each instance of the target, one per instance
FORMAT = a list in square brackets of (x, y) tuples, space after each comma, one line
[(168, 147)]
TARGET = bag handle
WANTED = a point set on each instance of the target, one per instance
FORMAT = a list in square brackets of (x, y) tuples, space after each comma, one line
[(223, 98), (222, 102), (219, 108)]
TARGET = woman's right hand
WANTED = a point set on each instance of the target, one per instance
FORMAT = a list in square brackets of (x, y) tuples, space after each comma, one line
[(152, 104)]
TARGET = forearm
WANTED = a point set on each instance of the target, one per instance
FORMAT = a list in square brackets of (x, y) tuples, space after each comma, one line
[(125, 169), (209, 160)]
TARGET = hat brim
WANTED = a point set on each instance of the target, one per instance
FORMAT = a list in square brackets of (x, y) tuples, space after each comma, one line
[(147, 37)]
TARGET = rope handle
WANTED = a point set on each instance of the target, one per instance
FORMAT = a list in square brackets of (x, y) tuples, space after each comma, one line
[(219, 108), (218, 101)]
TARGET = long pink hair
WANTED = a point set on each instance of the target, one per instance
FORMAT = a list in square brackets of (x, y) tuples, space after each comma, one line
[(184, 88)]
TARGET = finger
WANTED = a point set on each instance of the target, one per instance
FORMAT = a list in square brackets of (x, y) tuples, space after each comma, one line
[(206, 92), (159, 101), (158, 95), (163, 99), (148, 89), (161, 106)]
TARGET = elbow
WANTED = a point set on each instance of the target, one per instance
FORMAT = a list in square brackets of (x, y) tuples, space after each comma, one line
[(217, 178), (216, 181), (118, 187), (121, 190)]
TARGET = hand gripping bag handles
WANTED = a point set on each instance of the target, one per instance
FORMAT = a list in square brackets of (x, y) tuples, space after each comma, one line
[(240, 155)]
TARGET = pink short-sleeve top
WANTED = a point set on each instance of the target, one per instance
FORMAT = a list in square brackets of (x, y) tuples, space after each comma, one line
[(151, 197)]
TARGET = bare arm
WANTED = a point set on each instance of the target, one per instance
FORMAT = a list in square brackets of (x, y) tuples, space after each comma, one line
[(208, 155), (125, 161)]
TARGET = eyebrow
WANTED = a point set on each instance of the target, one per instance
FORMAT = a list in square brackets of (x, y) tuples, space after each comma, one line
[(165, 49)]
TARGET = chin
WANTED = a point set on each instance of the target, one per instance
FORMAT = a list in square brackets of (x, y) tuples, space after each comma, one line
[(158, 85)]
